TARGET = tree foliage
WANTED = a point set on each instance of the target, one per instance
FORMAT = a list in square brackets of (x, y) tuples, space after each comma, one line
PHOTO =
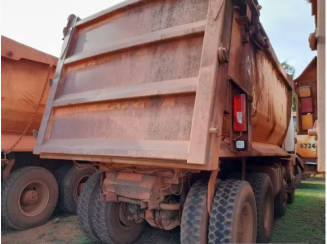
[(289, 69)]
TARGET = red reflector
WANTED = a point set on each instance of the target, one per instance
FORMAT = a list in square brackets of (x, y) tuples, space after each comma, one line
[(240, 122), (306, 105)]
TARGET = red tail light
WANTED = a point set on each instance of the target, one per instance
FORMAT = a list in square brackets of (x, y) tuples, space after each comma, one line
[(240, 122)]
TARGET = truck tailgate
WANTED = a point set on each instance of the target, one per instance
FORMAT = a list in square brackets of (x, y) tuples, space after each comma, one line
[(136, 80)]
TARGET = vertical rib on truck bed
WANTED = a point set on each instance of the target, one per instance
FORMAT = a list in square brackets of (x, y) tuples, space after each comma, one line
[(138, 82)]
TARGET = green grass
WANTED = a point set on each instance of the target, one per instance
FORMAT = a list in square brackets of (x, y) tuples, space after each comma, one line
[(83, 240), (53, 238), (67, 220), (304, 221)]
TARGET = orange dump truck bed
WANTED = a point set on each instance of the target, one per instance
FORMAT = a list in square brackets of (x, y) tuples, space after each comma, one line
[(148, 82), (23, 77)]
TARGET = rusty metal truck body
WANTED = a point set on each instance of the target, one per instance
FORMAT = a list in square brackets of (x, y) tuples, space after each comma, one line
[(306, 145), (310, 91), (29, 189), (317, 42), (24, 71), (160, 93)]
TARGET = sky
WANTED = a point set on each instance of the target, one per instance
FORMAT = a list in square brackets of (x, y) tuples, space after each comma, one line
[(39, 24)]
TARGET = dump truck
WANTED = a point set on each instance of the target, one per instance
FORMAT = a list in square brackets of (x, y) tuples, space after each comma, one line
[(29, 191), (310, 92), (306, 144), (183, 107)]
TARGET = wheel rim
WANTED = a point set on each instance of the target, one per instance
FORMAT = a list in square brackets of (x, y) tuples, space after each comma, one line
[(245, 230), (33, 198), (122, 217), (81, 184), (267, 211)]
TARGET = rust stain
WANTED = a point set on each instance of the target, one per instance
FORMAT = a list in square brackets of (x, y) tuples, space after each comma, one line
[(7, 99), (138, 104), (131, 177), (271, 131), (23, 77), (138, 123)]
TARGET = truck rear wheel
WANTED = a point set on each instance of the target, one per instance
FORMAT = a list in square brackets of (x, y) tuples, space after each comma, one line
[(86, 205), (28, 197), (58, 174), (112, 225), (298, 177), (291, 196), (233, 216), (194, 226), (280, 201), (70, 186), (264, 197)]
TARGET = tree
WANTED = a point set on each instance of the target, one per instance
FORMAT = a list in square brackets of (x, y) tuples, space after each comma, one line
[(289, 69)]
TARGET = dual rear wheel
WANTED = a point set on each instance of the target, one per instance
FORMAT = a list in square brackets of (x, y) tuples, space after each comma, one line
[(232, 218), (105, 221), (71, 181), (242, 212), (29, 195)]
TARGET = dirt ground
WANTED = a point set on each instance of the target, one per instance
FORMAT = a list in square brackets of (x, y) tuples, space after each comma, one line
[(304, 222), (64, 228)]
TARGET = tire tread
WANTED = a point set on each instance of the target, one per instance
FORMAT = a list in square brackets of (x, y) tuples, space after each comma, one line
[(103, 224), (257, 181), (85, 205), (59, 175), (68, 180), (194, 208), (221, 217)]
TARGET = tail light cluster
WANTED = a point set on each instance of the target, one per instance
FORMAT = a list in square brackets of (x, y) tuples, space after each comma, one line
[(240, 100), (306, 108), (240, 117)]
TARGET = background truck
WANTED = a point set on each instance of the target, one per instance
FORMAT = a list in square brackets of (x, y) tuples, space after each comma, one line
[(306, 115), (183, 107), (310, 91), (29, 191)]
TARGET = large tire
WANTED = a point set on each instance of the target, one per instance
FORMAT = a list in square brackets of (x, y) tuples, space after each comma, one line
[(264, 198), (86, 205), (59, 174), (233, 210), (291, 196), (280, 201), (70, 186), (109, 228), (28, 198), (194, 226), (298, 177)]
